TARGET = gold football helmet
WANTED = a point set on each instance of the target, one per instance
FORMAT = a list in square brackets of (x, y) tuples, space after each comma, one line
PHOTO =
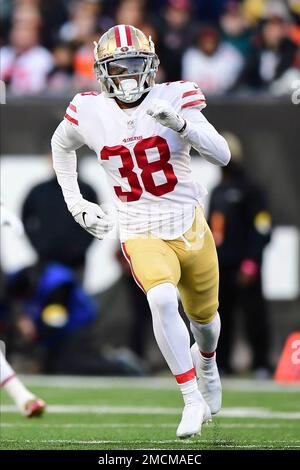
[(125, 63)]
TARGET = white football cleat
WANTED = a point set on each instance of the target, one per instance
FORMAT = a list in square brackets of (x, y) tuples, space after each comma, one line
[(208, 379), (193, 415)]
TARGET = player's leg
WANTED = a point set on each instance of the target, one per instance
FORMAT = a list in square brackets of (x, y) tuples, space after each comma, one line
[(28, 404), (198, 288), (157, 270)]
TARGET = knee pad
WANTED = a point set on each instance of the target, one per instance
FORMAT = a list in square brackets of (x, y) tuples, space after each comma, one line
[(162, 298), (205, 315)]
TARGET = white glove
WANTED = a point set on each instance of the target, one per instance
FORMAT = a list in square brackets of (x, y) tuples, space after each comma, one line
[(10, 219), (165, 114), (92, 218)]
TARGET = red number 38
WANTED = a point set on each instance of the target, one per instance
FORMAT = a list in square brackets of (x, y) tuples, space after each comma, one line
[(148, 168)]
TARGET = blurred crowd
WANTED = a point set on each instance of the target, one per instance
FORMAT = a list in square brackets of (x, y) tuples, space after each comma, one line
[(225, 46)]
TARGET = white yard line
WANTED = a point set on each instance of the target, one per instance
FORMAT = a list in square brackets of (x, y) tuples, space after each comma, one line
[(153, 383), (240, 412), (61, 409), (40, 425)]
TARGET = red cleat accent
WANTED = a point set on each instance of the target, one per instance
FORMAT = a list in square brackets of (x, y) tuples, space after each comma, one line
[(34, 408)]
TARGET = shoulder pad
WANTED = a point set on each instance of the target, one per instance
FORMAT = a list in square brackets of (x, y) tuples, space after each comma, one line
[(188, 93), (72, 110)]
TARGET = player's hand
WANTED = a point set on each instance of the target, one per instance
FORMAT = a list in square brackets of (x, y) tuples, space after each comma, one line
[(165, 114), (92, 218)]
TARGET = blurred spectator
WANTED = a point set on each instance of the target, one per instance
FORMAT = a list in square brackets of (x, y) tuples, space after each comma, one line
[(27, 13), (254, 10), (213, 64), (235, 28), (241, 223), (294, 27), (25, 64), (83, 22), (83, 60), (289, 79), (43, 203), (50, 306), (273, 54), (61, 78), (177, 31), (55, 14), (131, 12), (81, 30), (57, 324)]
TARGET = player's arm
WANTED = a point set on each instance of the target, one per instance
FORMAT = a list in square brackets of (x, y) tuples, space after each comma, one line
[(204, 138), (191, 124), (65, 141)]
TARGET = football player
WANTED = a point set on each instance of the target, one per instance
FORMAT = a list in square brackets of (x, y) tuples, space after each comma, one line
[(142, 134), (28, 404)]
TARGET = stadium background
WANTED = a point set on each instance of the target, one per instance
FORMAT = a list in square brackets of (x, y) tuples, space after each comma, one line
[(265, 117)]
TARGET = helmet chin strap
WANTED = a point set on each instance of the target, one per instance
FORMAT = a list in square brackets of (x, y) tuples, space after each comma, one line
[(126, 86)]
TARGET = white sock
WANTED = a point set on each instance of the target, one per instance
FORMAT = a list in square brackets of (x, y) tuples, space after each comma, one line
[(190, 392), (173, 338), (207, 336), (13, 386)]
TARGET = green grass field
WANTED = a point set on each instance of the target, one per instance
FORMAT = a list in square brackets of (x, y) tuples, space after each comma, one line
[(105, 414)]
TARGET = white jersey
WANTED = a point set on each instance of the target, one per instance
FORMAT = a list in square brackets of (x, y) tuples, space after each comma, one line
[(148, 165)]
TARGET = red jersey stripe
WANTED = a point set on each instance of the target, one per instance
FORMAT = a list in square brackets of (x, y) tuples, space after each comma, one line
[(131, 267), (117, 34), (73, 108), (192, 92), (128, 35), (89, 93), (67, 116), (192, 103), (186, 376)]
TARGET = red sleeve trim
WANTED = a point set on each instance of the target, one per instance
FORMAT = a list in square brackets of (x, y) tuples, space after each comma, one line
[(74, 121), (72, 107), (89, 93), (192, 92), (192, 103)]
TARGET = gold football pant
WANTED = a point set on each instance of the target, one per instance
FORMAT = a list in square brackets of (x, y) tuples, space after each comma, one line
[(189, 262)]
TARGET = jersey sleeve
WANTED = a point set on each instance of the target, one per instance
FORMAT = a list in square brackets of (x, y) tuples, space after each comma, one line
[(191, 96), (72, 112)]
